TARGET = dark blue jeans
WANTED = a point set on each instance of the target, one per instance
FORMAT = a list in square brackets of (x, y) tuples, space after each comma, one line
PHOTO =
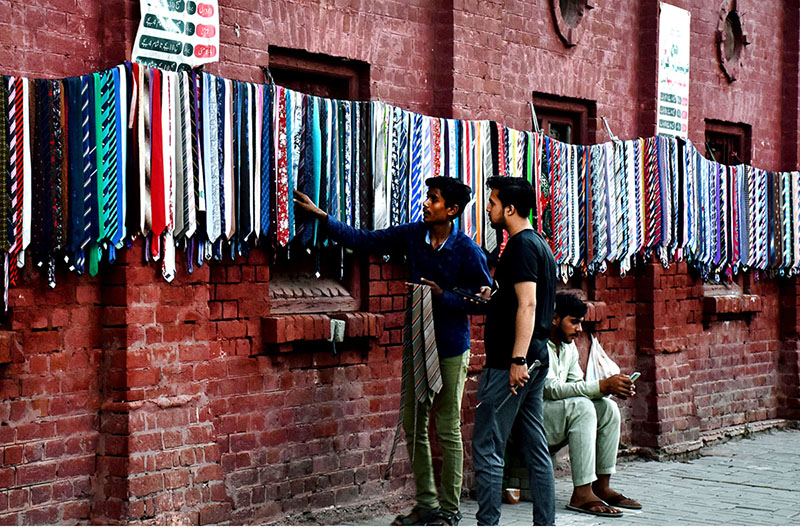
[(492, 427)]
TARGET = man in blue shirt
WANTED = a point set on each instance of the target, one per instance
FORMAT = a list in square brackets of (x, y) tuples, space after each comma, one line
[(444, 258)]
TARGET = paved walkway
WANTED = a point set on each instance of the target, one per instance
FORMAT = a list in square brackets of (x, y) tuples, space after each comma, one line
[(751, 481)]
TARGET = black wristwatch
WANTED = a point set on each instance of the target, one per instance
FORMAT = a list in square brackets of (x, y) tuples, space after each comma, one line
[(518, 361)]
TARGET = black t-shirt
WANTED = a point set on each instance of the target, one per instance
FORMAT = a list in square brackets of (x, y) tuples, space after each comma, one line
[(527, 258)]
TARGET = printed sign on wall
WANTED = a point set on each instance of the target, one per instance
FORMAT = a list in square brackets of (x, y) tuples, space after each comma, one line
[(674, 55), (177, 34)]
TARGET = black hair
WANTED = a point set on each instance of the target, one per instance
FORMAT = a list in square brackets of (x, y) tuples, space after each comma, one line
[(514, 191), (568, 304), (453, 191)]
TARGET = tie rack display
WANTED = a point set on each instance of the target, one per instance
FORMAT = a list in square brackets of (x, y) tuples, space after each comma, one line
[(207, 165)]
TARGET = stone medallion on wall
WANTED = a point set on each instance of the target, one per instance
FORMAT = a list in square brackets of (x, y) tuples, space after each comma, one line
[(731, 39), (568, 16)]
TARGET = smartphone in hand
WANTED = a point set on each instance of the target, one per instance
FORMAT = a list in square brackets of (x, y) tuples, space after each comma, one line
[(469, 295), (635, 376)]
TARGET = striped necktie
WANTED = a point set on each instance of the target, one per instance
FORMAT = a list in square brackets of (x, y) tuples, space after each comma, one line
[(305, 170), (266, 159), (421, 371), (15, 158), (785, 219), (245, 172), (652, 188), (334, 202), (357, 166), (597, 180), (72, 90), (106, 154), (417, 189), (186, 207), (400, 174)]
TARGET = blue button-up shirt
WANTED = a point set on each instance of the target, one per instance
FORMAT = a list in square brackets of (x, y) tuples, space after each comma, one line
[(459, 262)]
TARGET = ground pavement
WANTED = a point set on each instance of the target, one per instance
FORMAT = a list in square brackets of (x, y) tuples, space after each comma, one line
[(750, 481)]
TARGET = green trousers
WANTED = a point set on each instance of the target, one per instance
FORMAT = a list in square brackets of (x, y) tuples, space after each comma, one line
[(592, 429), (446, 408)]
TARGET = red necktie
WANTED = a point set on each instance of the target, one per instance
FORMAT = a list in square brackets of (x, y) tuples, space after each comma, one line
[(157, 165)]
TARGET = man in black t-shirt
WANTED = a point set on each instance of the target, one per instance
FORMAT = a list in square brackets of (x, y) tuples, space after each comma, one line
[(519, 317)]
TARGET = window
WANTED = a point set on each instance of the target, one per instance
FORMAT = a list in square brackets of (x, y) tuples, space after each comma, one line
[(728, 143), (566, 119), (295, 286)]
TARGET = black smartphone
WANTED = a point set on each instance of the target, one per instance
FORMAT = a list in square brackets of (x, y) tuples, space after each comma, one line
[(469, 295)]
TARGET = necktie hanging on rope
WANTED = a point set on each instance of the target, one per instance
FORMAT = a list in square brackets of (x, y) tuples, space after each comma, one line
[(416, 187), (11, 209), (10, 100), (597, 182), (380, 114), (366, 189), (282, 187), (346, 158), (399, 202), (490, 234)]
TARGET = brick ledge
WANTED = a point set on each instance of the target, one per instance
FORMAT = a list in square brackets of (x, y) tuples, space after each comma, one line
[(279, 329)]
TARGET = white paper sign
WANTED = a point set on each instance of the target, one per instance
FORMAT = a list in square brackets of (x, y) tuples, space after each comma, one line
[(177, 34), (674, 55)]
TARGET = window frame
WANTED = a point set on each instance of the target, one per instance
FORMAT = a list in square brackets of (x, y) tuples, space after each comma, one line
[(288, 67)]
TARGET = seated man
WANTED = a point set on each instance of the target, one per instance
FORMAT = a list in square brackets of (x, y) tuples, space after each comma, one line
[(575, 412)]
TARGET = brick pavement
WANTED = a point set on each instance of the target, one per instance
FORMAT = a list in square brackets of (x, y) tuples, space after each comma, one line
[(747, 481)]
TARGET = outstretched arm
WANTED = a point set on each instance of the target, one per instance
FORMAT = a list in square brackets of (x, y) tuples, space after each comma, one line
[(383, 241)]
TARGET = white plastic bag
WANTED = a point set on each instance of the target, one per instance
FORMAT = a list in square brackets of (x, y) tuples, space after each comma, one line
[(599, 366)]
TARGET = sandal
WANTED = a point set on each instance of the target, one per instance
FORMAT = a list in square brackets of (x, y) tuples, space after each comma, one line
[(446, 519), (419, 516)]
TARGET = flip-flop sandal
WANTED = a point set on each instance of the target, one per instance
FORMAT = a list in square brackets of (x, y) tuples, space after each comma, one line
[(587, 508), (417, 517), (621, 501)]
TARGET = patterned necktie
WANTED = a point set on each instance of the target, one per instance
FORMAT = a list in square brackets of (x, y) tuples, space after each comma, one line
[(282, 187), (357, 165), (346, 158), (72, 88), (305, 175), (366, 199), (210, 158), (89, 173), (379, 156), (334, 201), (4, 162)]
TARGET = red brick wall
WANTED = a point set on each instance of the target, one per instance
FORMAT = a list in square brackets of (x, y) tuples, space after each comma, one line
[(129, 399)]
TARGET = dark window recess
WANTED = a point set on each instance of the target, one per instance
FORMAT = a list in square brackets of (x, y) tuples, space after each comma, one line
[(294, 284), (728, 143), (566, 119)]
